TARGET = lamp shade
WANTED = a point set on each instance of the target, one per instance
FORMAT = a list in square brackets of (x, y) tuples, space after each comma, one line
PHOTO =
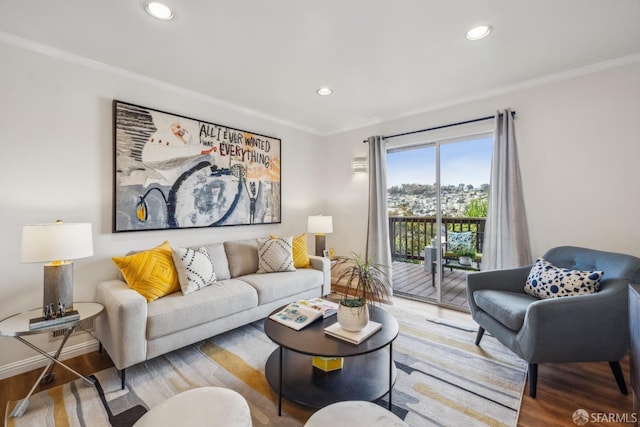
[(56, 242), (320, 224)]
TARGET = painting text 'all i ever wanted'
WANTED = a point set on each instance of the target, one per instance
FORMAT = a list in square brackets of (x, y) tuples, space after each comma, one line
[(175, 172)]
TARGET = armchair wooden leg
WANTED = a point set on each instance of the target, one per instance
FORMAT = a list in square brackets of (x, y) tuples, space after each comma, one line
[(533, 379), (480, 334), (122, 377), (617, 373)]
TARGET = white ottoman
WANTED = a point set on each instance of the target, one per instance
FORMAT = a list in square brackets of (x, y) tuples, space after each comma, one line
[(203, 406), (355, 413)]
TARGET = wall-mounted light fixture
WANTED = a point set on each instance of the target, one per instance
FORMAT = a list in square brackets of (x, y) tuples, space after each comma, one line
[(359, 164)]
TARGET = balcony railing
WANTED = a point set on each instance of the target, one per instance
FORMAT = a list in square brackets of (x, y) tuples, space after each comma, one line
[(409, 235)]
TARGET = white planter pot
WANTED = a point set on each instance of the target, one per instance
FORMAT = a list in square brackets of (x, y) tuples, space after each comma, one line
[(465, 260), (353, 319)]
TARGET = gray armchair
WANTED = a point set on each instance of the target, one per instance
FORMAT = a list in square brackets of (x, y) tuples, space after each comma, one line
[(585, 328)]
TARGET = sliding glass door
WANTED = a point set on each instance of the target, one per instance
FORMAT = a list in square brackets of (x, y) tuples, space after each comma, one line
[(437, 199)]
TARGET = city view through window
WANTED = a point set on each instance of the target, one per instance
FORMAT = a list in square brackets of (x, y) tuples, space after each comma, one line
[(464, 177), (465, 171)]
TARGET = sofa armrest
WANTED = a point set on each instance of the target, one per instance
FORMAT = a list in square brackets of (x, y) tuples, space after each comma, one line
[(122, 327), (323, 264), (511, 280)]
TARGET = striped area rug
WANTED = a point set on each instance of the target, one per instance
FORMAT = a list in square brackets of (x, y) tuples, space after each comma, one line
[(443, 380)]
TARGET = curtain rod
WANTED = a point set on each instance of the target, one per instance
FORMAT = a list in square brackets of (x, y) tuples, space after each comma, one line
[(513, 114)]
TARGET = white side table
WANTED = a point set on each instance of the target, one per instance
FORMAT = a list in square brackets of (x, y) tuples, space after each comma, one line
[(17, 326)]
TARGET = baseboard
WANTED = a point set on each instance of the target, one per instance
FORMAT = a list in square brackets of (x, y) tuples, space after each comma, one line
[(26, 365)]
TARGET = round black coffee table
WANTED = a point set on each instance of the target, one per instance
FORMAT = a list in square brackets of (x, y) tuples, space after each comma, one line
[(367, 373)]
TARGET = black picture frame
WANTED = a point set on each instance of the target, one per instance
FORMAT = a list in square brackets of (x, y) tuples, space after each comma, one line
[(174, 172)]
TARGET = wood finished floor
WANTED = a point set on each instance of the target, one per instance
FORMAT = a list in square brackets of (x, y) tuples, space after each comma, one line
[(412, 281), (562, 388), (17, 387)]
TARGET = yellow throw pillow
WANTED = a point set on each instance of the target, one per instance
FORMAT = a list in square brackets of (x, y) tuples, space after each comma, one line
[(300, 251), (151, 273)]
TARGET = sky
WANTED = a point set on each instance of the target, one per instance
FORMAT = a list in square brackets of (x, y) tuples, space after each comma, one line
[(467, 162)]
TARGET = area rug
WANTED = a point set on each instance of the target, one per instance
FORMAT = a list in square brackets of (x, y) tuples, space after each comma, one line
[(443, 380)]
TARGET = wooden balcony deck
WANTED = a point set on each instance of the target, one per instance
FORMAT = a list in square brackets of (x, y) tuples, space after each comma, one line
[(411, 281)]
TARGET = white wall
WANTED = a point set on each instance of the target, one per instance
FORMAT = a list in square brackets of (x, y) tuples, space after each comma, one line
[(57, 163), (578, 141), (579, 147)]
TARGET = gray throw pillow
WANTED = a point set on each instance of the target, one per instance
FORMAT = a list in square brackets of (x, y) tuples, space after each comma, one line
[(219, 260)]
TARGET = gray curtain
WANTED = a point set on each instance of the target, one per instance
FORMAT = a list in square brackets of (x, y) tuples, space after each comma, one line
[(378, 222), (506, 238)]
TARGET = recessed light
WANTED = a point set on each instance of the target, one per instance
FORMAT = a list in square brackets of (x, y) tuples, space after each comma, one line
[(324, 91), (479, 32), (159, 10)]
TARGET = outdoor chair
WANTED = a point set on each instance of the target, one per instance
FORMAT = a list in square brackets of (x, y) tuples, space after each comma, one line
[(454, 244), (587, 327)]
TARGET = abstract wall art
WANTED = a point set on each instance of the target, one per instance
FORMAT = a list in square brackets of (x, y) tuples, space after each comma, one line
[(173, 172)]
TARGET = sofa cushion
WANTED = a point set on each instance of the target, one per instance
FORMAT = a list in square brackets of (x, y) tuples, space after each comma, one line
[(242, 256), (177, 312), (194, 267), (545, 280), (275, 286), (219, 260), (275, 255), (507, 308), (151, 273)]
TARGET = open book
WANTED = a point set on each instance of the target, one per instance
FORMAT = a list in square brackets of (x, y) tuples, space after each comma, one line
[(328, 308), (301, 313)]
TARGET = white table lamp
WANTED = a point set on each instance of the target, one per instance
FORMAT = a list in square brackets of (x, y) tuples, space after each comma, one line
[(55, 244), (320, 225)]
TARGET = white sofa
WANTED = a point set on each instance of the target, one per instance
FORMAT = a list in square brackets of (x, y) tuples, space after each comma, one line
[(132, 330)]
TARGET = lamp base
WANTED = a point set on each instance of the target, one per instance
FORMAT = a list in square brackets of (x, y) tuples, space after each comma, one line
[(320, 244), (58, 286)]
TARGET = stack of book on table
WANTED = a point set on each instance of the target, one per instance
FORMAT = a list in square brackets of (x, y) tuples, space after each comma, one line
[(301, 313), (336, 331), (43, 322)]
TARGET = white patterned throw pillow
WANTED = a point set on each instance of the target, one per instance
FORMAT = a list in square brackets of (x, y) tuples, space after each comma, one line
[(194, 267), (275, 255), (548, 281)]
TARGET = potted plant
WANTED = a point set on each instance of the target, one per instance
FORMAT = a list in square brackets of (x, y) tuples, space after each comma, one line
[(365, 284), (466, 256)]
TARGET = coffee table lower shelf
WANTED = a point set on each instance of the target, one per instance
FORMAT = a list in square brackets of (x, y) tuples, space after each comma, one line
[(363, 377)]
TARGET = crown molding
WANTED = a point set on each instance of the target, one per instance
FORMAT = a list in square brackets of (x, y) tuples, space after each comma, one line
[(120, 72), (502, 90), (26, 44)]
